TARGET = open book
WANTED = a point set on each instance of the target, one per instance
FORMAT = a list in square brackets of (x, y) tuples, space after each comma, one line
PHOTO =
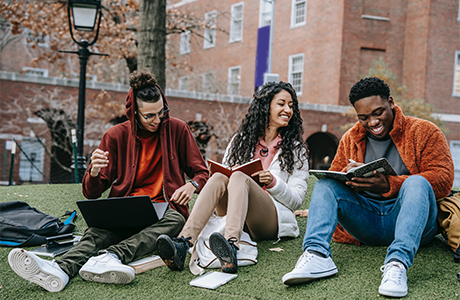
[(248, 168), (380, 165)]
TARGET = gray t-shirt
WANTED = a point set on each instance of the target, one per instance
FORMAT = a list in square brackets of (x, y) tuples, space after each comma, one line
[(378, 148)]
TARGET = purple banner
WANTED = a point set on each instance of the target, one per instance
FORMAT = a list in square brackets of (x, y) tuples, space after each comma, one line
[(263, 44)]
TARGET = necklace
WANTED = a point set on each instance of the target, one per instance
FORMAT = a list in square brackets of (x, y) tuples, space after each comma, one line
[(263, 152)]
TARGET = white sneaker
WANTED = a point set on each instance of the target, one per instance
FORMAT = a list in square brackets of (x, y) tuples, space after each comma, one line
[(394, 281), (106, 268), (45, 273), (310, 267)]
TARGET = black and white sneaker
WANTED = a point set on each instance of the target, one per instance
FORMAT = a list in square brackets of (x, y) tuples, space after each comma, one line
[(225, 251), (173, 251)]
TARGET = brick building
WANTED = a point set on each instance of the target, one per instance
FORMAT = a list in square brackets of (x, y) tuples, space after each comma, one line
[(321, 46)]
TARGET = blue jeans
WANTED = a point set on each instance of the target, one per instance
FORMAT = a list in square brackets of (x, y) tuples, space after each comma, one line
[(403, 223)]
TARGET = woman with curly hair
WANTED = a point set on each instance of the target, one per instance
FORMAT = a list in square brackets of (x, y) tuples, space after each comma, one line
[(272, 131), (147, 155)]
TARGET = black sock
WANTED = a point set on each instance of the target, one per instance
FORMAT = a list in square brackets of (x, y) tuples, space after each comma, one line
[(397, 260), (317, 253)]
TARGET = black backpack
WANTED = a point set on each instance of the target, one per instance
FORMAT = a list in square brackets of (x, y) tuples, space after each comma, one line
[(25, 226)]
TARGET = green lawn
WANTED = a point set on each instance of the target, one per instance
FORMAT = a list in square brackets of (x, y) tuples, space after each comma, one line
[(432, 276)]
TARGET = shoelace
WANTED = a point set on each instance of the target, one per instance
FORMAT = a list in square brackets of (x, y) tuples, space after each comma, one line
[(304, 258), (232, 241), (186, 241), (392, 272)]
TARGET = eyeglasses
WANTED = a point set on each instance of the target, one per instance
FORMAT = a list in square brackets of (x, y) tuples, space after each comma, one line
[(152, 116)]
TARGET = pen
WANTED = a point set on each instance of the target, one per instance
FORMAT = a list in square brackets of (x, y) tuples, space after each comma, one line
[(351, 160)]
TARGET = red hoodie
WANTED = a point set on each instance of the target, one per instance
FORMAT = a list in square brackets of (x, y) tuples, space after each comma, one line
[(179, 150)]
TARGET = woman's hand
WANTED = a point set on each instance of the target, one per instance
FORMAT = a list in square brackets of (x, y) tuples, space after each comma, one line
[(184, 194), (99, 160), (265, 177)]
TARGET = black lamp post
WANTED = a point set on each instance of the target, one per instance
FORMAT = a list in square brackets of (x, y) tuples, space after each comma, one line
[(86, 16)]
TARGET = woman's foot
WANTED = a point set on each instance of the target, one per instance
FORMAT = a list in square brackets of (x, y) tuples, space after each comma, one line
[(225, 251)]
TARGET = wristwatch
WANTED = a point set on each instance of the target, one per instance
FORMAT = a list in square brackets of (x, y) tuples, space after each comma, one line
[(195, 184)]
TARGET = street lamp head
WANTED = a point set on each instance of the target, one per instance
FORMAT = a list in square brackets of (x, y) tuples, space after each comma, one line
[(84, 15)]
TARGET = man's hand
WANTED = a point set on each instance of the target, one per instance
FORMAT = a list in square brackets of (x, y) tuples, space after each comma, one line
[(376, 184), (184, 194), (99, 160)]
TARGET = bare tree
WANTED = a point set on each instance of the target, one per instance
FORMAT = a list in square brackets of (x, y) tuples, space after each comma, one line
[(152, 39), (127, 27), (225, 123), (58, 110)]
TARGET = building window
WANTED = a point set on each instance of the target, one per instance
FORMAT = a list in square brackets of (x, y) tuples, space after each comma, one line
[(234, 80), (35, 71), (299, 13), (208, 82), (32, 160), (236, 27), (210, 30), (455, 151), (37, 38), (296, 72), (456, 91), (185, 42), (265, 15), (183, 83)]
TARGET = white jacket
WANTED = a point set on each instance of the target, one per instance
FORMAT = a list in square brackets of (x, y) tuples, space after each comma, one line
[(288, 193)]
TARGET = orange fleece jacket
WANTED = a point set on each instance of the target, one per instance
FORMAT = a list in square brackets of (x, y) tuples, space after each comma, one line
[(423, 149)]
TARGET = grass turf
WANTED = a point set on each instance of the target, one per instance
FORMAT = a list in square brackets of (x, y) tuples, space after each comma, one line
[(433, 275)]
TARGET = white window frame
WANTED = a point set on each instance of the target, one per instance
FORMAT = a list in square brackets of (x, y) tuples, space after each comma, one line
[(183, 83), (458, 18), (207, 84), (456, 75), (236, 22), (234, 81), (294, 10), (27, 171), (298, 89), (454, 150), (265, 13), (35, 71), (210, 18), (185, 42)]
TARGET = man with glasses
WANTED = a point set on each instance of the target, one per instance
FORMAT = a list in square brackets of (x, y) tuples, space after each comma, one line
[(149, 154)]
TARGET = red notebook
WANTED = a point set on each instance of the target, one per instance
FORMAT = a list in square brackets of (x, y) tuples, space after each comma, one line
[(248, 168)]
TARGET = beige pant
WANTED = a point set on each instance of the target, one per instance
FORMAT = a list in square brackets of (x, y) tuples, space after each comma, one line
[(242, 200)]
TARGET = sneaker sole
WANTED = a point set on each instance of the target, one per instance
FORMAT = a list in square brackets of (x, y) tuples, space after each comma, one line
[(27, 266), (392, 293), (117, 276), (223, 251), (167, 251), (295, 279)]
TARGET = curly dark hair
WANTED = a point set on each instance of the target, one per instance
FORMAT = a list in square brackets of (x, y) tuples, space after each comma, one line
[(144, 86), (367, 87), (256, 122)]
